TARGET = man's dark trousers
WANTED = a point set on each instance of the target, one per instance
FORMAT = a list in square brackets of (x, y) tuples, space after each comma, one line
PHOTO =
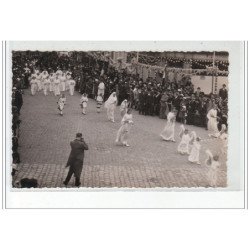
[(76, 169)]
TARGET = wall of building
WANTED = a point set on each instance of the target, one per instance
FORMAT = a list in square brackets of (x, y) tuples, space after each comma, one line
[(205, 83)]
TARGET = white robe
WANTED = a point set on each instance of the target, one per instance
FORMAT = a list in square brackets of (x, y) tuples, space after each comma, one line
[(39, 84), (56, 87), (123, 108), (84, 101), (63, 82), (168, 132), (183, 147), (195, 152), (33, 86), (212, 174), (123, 132), (61, 103), (110, 105), (46, 83), (212, 124), (72, 84), (51, 84)]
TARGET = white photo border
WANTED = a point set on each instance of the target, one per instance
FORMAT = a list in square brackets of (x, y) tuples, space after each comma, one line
[(233, 196)]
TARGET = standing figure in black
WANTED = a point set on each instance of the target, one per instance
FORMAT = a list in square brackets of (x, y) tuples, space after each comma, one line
[(75, 161)]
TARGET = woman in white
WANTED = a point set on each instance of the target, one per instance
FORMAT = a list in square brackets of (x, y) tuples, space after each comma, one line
[(46, 83), (124, 107), (84, 103), (183, 147), (123, 132), (38, 78), (56, 86), (68, 77), (194, 156), (44, 76), (212, 124), (221, 132), (63, 82), (110, 105), (168, 132), (61, 102), (213, 164), (101, 88), (33, 85), (72, 84), (223, 136), (51, 84)]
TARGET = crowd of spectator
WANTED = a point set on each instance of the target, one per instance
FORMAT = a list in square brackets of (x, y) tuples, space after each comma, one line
[(151, 97), (200, 65), (17, 102)]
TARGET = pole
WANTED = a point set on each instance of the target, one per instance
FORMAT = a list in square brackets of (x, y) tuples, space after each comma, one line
[(213, 73)]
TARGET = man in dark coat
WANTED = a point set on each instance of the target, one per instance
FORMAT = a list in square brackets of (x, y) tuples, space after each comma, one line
[(75, 161), (223, 92)]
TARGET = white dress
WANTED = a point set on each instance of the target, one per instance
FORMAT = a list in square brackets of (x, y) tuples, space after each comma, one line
[(33, 86), (110, 105), (168, 132), (63, 82), (84, 101), (123, 132), (213, 167), (195, 152), (46, 83), (183, 147), (212, 124), (72, 84), (123, 108), (38, 78), (51, 84), (56, 87)]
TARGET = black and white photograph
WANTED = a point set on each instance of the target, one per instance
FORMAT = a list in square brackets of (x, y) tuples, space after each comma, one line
[(119, 119)]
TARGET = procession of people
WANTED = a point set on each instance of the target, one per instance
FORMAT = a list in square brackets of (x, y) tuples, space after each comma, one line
[(174, 103)]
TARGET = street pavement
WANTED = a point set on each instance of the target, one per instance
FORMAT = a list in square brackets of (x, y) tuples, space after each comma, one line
[(148, 163)]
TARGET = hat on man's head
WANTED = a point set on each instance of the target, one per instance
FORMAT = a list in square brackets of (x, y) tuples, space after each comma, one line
[(78, 134)]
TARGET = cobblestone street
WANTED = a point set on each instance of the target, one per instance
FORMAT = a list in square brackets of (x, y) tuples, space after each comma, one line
[(149, 162)]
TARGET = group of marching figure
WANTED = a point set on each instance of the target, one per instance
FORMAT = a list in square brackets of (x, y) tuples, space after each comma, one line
[(110, 105), (190, 143), (56, 82)]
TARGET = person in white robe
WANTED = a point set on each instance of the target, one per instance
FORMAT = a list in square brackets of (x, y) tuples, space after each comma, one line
[(38, 78), (168, 133), (124, 130), (183, 147), (59, 72), (51, 84), (101, 88), (99, 101), (222, 135), (212, 163), (33, 85), (221, 132), (68, 77), (194, 156), (110, 105), (212, 124), (46, 83), (56, 86), (72, 84), (63, 82), (44, 76), (124, 107), (84, 103), (61, 102)]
